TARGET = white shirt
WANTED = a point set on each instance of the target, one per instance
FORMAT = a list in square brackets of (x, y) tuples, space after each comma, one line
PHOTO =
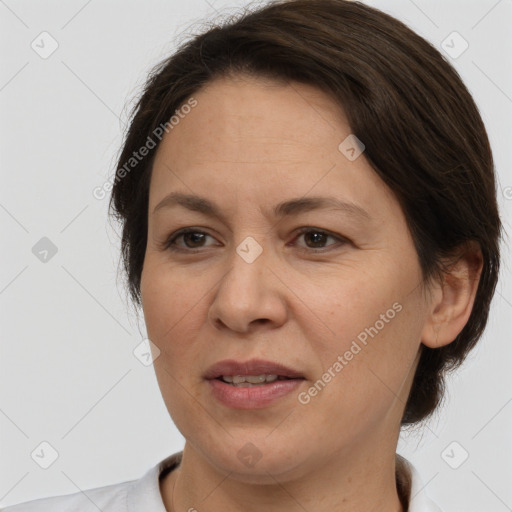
[(143, 495)]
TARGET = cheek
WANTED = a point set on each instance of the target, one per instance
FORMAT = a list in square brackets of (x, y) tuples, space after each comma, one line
[(170, 306), (378, 355), (360, 383), (374, 322), (169, 300), (347, 303)]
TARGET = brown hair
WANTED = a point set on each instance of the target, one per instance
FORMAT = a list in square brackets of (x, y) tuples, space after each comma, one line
[(422, 130)]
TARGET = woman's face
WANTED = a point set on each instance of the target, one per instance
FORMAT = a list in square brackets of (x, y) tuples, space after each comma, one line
[(341, 304)]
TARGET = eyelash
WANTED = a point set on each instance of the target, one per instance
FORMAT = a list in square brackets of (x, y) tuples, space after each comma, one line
[(169, 244)]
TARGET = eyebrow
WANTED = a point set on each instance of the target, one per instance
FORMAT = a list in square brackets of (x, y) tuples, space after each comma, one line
[(283, 209)]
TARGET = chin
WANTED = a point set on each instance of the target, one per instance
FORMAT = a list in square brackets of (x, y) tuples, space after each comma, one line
[(258, 462)]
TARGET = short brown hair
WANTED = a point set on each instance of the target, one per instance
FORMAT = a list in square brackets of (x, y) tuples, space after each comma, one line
[(422, 130)]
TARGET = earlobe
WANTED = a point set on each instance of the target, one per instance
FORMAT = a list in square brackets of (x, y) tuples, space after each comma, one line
[(452, 300)]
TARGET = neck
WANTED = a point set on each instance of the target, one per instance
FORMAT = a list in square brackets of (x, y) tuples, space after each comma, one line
[(341, 484)]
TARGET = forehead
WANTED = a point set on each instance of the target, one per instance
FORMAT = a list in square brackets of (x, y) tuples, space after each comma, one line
[(260, 139), (258, 118)]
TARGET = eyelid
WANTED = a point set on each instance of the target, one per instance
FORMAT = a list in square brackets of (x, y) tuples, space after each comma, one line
[(169, 241), (168, 244), (312, 229)]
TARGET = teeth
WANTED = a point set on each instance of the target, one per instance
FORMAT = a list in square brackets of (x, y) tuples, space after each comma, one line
[(248, 379)]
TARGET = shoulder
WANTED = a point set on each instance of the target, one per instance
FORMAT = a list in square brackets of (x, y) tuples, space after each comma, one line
[(110, 498), (130, 496)]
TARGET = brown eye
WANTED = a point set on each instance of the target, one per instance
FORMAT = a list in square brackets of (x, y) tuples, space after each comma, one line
[(317, 238), (192, 238)]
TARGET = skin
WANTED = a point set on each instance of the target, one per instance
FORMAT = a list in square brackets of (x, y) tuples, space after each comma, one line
[(248, 145)]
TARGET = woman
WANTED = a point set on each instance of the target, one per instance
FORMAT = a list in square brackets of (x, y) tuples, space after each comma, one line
[(307, 196)]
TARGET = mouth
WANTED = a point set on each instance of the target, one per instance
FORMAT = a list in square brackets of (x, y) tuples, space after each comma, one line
[(247, 381), (263, 383), (255, 372)]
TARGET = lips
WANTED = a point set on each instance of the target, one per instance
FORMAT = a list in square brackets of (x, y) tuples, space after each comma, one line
[(251, 367), (246, 395)]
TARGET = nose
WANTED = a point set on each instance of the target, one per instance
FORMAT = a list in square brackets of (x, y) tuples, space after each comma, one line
[(250, 295)]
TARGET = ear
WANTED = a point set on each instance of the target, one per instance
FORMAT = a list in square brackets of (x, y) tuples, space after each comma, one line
[(452, 300)]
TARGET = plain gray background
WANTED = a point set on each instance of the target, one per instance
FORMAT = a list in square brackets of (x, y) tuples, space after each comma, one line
[(68, 373)]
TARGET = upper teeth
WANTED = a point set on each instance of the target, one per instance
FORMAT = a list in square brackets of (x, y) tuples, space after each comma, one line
[(252, 379)]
